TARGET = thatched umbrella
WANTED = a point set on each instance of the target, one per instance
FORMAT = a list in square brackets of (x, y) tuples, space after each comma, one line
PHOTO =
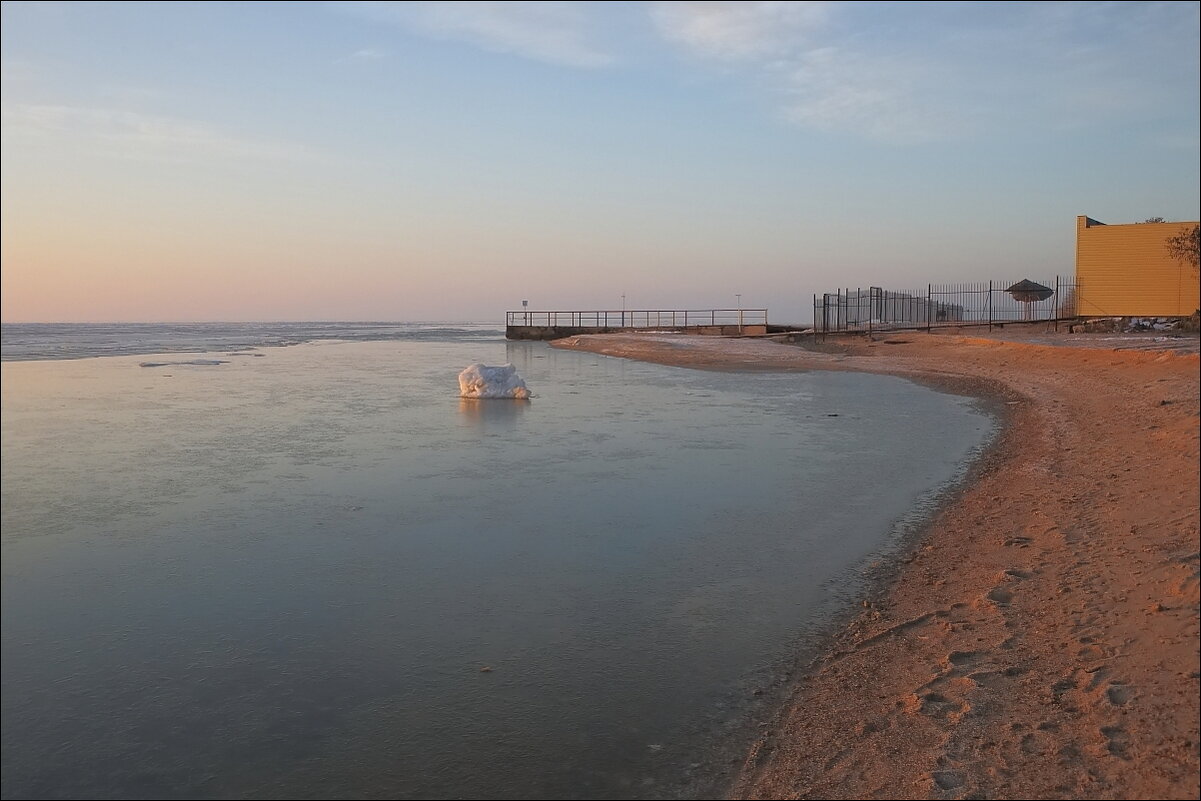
[(1027, 292)]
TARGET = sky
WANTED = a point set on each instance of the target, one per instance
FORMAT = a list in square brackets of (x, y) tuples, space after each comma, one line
[(445, 161)]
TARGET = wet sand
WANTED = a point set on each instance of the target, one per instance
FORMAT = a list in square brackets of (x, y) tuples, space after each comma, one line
[(1040, 640)]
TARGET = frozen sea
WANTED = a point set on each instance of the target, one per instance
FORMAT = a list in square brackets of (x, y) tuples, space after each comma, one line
[(287, 561)]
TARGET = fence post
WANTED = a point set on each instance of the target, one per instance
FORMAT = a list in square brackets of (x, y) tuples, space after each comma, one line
[(990, 305), (1057, 303), (929, 307)]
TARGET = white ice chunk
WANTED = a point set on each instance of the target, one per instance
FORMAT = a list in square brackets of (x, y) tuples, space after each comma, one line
[(481, 381)]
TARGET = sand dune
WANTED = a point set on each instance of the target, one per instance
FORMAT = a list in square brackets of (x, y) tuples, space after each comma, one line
[(1041, 640)]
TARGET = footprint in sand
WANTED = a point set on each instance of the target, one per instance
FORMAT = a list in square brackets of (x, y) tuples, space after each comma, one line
[(948, 779), (1086, 680), (999, 596), (986, 678), (1035, 743), (1118, 694), (937, 705), (1117, 741), (963, 658)]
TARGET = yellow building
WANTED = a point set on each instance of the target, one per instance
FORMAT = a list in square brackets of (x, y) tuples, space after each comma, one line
[(1125, 271)]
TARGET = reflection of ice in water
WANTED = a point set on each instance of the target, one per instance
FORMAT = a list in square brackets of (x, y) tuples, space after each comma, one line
[(481, 411)]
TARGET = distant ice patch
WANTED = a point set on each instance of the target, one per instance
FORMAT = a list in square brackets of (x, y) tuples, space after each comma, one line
[(198, 362), (481, 381)]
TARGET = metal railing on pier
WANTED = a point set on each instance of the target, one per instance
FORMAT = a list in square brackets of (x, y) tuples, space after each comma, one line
[(641, 319)]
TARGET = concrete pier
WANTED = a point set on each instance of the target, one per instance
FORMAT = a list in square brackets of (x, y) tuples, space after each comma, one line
[(546, 325)]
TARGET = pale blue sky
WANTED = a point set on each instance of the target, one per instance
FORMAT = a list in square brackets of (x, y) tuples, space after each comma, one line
[(447, 160)]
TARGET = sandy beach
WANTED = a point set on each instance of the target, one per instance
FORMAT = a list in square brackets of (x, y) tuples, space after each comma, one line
[(1040, 640)]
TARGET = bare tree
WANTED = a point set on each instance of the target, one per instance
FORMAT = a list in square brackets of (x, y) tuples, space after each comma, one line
[(1186, 246), (1154, 220)]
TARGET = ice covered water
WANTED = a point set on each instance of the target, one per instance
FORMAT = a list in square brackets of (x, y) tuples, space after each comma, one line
[(318, 572)]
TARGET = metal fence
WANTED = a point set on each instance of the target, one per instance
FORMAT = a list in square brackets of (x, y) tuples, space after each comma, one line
[(986, 303), (637, 318)]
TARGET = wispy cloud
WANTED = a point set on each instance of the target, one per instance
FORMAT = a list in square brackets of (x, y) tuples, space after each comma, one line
[(822, 82), (937, 72), (366, 54), (740, 30), (16, 71), (840, 90), (135, 135), (126, 95), (551, 32)]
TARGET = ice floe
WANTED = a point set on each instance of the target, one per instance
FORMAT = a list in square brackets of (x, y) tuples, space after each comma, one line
[(197, 362)]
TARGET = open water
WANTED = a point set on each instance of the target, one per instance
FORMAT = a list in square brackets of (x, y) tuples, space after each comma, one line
[(237, 569)]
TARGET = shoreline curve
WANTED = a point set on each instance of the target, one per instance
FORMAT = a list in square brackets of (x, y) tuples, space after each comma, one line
[(1040, 639)]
